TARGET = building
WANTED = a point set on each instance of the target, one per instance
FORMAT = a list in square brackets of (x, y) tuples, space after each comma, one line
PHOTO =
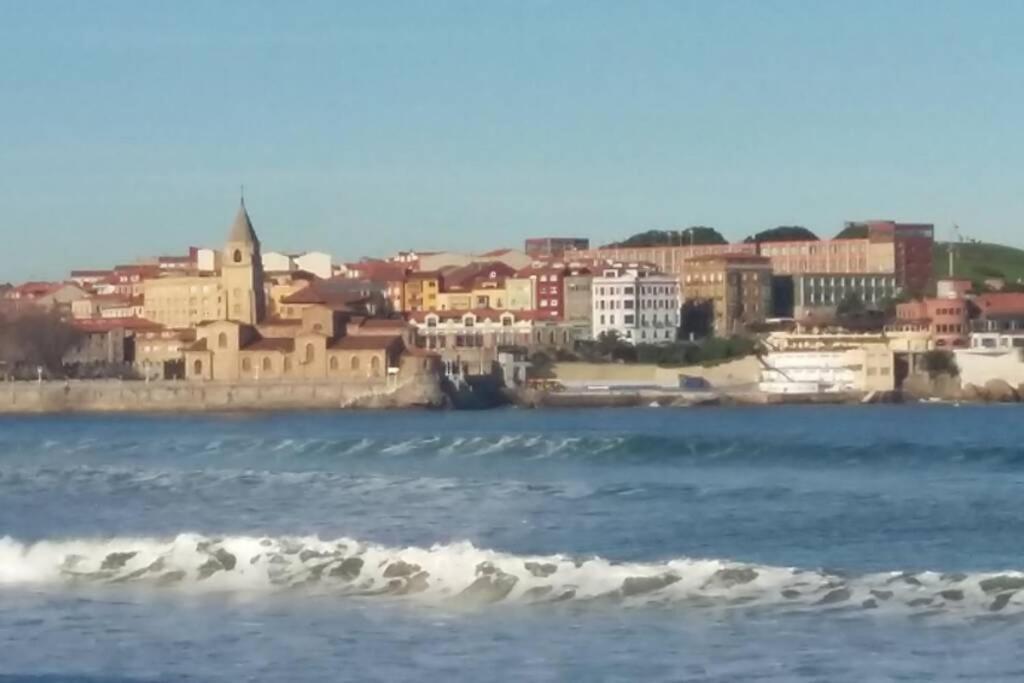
[(241, 272), (825, 371), (998, 312), (470, 341), (817, 294), (159, 352), (58, 297), (637, 303), (738, 287), (578, 305), (947, 320), (548, 285), (670, 260), (992, 356), (326, 333), (420, 291), (554, 247), (953, 288), (183, 301), (316, 263)]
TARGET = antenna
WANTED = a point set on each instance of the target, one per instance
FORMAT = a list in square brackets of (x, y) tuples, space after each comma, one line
[(241, 194)]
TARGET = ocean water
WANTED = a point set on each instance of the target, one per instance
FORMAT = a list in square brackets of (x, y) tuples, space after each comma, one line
[(866, 543)]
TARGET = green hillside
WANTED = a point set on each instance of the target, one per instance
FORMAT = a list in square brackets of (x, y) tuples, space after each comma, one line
[(979, 260)]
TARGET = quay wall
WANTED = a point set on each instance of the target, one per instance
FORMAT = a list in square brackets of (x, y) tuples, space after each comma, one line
[(181, 396)]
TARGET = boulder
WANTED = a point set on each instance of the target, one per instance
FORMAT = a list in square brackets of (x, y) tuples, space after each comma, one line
[(972, 392), (999, 390)]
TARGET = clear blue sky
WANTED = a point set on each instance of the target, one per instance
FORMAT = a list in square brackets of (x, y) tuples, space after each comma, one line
[(366, 127)]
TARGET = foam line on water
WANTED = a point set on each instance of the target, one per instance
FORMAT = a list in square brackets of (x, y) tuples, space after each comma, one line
[(460, 574)]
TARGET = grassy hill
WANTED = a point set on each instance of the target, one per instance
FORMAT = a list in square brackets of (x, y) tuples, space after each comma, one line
[(980, 260)]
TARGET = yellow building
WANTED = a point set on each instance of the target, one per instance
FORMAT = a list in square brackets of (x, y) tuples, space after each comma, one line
[(180, 301), (420, 291)]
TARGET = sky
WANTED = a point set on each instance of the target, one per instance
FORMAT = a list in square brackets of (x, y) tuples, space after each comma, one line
[(362, 128)]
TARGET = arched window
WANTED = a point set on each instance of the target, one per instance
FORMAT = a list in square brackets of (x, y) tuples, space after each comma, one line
[(246, 364), (222, 340), (334, 362), (375, 365), (267, 364), (310, 353), (355, 363), (317, 327), (197, 367), (287, 363), (237, 256)]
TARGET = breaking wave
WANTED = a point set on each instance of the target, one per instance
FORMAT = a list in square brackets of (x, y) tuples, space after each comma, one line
[(461, 575), (625, 448)]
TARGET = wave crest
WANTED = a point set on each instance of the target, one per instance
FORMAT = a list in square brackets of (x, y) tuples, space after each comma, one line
[(460, 574)]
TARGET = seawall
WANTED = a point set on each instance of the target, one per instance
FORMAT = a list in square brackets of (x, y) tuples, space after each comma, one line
[(180, 396)]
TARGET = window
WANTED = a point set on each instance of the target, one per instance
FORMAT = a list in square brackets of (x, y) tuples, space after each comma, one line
[(237, 258), (197, 367), (287, 363), (267, 364), (375, 366), (222, 340), (246, 364), (310, 353), (354, 364), (334, 362)]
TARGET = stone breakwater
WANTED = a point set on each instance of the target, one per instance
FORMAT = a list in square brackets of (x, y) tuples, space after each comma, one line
[(137, 396)]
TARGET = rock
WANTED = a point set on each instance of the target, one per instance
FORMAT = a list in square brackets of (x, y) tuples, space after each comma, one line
[(919, 602), (972, 392), (908, 579), (882, 595), (536, 593), (997, 584), (255, 558), (307, 555), (870, 603), (955, 577), (952, 594), (541, 571), (1000, 390), (417, 583), (728, 578), (485, 569), (171, 577), (226, 559), (790, 594), (399, 569), (837, 595), (488, 589), (348, 570), (637, 585), (1001, 601), (116, 560), (209, 568)]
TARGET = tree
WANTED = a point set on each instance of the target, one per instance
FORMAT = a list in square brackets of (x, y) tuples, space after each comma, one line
[(851, 305), (853, 231), (36, 339), (694, 235), (939, 362), (783, 233)]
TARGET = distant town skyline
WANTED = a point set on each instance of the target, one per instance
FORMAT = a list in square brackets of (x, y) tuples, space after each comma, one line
[(362, 129)]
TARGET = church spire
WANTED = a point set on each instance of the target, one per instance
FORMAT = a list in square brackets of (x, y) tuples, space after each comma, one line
[(241, 229)]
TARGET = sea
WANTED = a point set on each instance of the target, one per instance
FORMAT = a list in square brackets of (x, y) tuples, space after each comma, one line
[(790, 543)]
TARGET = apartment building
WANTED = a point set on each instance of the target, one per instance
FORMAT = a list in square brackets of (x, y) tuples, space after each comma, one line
[(822, 293), (738, 287), (637, 303)]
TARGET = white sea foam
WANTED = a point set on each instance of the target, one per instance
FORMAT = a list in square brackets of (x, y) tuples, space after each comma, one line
[(462, 574)]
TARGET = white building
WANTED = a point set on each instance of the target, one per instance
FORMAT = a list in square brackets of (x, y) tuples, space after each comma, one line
[(992, 355), (316, 262), (640, 305), (827, 371)]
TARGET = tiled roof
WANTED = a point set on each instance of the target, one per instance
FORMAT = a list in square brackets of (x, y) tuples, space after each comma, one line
[(1001, 303)]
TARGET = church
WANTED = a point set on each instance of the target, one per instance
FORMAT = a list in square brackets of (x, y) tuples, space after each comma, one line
[(325, 335)]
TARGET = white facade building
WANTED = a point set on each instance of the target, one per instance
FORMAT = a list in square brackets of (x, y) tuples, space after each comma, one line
[(827, 371), (641, 306), (992, 355)]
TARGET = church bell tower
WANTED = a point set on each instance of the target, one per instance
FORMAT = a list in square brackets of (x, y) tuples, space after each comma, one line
[(242, 272)]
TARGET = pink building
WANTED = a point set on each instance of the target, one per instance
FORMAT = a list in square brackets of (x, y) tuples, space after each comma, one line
[(945, 319)]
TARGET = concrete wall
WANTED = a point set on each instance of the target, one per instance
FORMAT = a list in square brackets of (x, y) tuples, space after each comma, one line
[(742, 373), (117, 396), (978, 366)]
